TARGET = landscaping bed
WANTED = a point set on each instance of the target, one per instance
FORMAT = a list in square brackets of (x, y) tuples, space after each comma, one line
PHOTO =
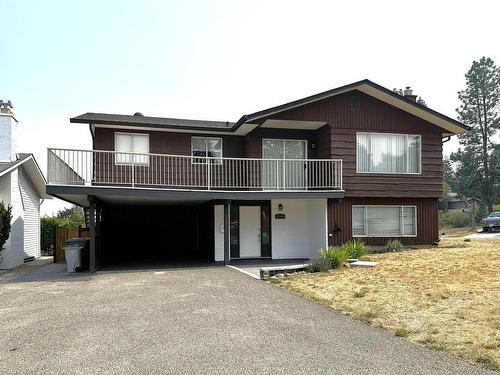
[(445, 297)]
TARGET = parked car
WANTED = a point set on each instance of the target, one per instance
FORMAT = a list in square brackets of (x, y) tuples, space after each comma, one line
[(491, 222)]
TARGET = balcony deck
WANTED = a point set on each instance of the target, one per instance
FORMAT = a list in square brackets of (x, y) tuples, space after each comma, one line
[(88, 170)]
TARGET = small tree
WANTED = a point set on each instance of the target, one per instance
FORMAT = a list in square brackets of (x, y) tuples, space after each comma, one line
[(73, 215), (5, 219)]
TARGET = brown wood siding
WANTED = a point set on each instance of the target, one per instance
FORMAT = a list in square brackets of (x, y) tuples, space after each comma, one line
[(374, 115), (167, 172), (162, 171), (340, 220), (169, 142)]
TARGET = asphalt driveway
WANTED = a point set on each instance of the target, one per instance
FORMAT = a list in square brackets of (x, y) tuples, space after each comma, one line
[(212, 320)]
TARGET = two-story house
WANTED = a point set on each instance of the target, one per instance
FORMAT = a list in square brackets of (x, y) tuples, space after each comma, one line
[(358, 161)]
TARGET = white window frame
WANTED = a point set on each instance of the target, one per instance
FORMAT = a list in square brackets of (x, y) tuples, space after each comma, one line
[(139, 164), (214, 162), (407, 158), (401, 224)]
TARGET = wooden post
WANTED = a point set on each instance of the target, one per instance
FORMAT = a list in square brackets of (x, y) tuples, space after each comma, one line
[(92, 233), (227, 229)]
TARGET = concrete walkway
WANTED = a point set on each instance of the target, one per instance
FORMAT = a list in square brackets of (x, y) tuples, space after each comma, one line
[(207, 320)]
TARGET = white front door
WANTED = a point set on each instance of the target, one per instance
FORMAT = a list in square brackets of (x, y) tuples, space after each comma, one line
[(250, 232)]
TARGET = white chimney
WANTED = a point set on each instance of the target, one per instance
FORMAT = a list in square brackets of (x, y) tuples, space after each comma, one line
[(8, 131)]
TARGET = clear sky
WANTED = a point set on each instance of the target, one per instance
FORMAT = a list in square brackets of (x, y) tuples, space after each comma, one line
[(217, 60)]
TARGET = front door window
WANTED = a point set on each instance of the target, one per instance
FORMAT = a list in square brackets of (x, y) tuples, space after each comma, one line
[(284, 167)]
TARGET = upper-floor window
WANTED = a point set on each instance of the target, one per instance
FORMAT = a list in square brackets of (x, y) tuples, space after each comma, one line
[(206, 147), (388, 153), (133, 143)]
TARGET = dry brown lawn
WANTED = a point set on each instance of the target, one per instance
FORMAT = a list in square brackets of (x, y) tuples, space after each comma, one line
[(446, 298)]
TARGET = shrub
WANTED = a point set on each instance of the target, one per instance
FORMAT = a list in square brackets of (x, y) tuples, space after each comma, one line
[(454, 219), (356, 249), (5, 219), (336, 255), (393, 245), (319, 265)]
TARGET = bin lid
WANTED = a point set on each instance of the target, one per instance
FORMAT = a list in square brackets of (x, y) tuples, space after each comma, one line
[(77, 241)]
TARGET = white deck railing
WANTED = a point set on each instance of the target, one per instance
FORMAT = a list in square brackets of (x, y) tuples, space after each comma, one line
[(112, 168)]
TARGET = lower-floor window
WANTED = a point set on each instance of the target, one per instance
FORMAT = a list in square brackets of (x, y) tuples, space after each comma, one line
[(384, 221)]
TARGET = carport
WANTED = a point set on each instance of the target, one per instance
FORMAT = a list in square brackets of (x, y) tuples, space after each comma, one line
[(154, 226), (132, 234)]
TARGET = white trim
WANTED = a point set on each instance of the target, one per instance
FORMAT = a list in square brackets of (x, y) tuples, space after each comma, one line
[(407, 158), (382, 235), (138, 164), (217, 161), (16, 165)]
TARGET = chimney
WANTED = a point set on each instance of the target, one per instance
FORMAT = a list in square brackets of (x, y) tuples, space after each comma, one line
[(408, 93), (8, 130)]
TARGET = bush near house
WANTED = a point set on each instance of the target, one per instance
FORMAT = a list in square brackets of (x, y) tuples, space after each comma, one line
[(339, 255), (336, 255), (5, 219), (393, 245), (450, 219), (319, 265), (356, 248)]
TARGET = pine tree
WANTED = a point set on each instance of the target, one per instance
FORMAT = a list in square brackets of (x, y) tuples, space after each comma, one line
[(480, 110)]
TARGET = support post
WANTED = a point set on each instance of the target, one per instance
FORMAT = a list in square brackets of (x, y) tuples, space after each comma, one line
[(92, 206), (227, 229)]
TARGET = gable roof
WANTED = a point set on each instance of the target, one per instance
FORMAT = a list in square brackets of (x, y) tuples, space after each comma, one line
[(28, 162), (371, 88), (449, 125)]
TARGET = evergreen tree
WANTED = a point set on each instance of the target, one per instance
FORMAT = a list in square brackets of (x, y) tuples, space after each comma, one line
[(479, 110), (467, 180), (449, 177)]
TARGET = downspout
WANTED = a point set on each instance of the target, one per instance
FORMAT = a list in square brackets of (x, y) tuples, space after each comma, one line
[(446, 139), (92, 135)]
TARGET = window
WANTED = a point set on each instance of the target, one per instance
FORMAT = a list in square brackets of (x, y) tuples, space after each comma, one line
[(206, 147), (280, 175), (133, 143), (388, 153), (384, 221)]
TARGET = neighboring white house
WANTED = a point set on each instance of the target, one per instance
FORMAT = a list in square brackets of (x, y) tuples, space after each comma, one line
[(22, 185)]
